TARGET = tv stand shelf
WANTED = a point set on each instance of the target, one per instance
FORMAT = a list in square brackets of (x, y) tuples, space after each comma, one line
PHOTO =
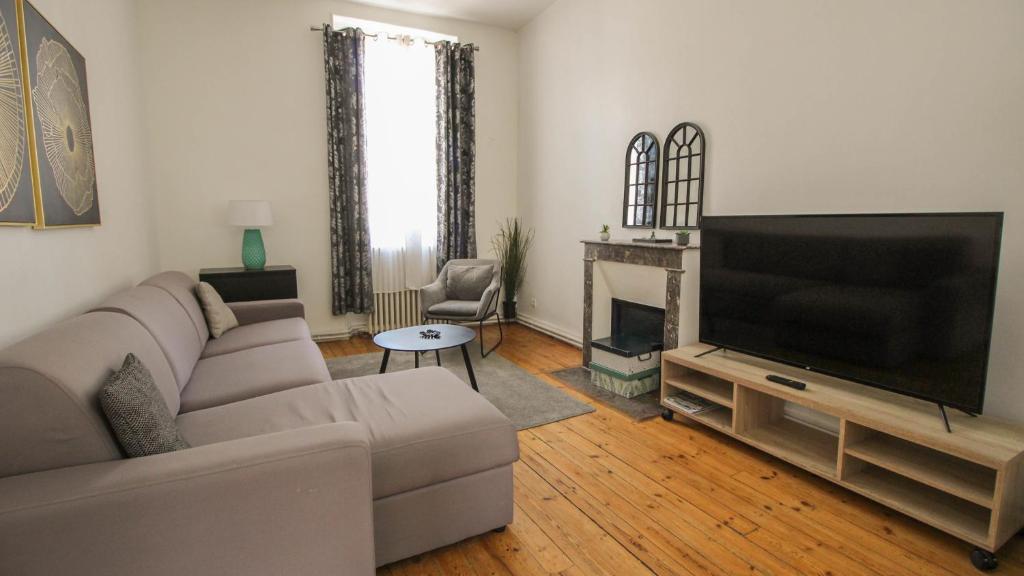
[(890, 448)]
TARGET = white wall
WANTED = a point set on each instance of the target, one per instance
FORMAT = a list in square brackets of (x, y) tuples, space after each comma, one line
[(52, 274), (236, 109), (809, 107)]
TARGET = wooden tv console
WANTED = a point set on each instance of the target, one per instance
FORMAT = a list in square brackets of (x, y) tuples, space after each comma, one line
[(890, 448)]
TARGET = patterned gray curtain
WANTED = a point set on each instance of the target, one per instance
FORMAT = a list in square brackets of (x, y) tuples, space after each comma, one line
[(352, 285), (456, 152)]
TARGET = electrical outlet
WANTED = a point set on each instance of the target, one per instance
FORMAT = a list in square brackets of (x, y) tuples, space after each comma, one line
[(533, 302)]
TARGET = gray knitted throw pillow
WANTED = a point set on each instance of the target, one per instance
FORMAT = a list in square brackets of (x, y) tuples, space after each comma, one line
[(138, 413)]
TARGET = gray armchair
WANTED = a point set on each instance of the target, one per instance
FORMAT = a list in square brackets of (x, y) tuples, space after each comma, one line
[(465, 291)]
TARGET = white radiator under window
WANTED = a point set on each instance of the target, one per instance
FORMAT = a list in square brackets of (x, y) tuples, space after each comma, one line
[(394, 310)]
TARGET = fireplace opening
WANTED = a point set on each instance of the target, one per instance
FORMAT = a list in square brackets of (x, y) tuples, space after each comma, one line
[(637, 329), (628, 362)]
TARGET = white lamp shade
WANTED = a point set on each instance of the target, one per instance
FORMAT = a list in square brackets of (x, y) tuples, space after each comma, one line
[(250, 213)]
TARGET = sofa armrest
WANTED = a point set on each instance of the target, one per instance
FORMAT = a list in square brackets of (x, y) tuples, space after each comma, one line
[(433, 293), (266, 310), (294, 502)]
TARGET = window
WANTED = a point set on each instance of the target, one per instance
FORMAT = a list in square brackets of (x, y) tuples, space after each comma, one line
[(401, 158)]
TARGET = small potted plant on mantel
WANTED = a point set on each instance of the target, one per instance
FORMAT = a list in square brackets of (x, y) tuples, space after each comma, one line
[(605, 233), (682, 237)]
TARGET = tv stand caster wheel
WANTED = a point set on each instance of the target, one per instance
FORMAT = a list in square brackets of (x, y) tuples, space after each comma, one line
[(984, 560), (499, 530), (667, 415)]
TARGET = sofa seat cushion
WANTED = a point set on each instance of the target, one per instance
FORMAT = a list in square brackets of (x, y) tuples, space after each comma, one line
[(256, 335), (426, 426), (466, 308), (254, 372)]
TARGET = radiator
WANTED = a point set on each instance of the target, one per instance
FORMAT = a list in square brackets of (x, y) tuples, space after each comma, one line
[(395, 310)]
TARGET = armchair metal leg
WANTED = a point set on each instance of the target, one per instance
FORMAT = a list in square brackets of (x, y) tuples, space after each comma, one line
[(501, 336)]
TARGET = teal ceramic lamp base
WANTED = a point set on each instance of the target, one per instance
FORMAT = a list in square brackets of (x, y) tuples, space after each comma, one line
[(254, 257)]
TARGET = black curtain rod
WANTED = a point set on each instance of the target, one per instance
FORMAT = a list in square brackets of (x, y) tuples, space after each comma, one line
[(425, 41)]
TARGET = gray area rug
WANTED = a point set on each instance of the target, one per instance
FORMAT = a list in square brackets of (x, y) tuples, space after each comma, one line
[(527, 401), (642, 407)]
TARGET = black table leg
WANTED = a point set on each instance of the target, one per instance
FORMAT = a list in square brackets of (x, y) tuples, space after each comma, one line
[(469, 368), (384, 363), (416, 363), (437, 355)]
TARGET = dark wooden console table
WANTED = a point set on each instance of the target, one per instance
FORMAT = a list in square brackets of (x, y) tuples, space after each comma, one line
[(241, 285)]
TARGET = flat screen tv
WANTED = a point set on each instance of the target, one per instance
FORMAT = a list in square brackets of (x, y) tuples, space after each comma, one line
[(902, 302)]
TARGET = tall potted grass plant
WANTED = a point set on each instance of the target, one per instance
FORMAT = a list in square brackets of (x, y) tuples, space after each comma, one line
[(511, 245)]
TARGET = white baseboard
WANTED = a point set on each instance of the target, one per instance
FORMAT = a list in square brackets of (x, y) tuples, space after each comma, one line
[(332, 336), (550, 329)]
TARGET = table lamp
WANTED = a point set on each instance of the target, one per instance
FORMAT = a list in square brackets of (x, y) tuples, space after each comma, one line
[(251, 215)]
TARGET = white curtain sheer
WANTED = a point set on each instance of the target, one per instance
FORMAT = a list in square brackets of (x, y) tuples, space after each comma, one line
[(401, 161)]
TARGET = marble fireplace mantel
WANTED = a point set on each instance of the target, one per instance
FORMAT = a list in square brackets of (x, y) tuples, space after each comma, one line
[(667, 256)]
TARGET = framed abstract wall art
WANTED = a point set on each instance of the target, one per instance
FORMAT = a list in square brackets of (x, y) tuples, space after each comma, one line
[(60, 131), (17, 202)]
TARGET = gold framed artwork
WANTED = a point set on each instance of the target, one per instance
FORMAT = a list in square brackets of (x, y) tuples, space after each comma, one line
[(46, 148), (17, 195)]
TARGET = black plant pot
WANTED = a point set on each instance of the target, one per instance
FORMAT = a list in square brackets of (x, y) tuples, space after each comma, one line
[(508, 309)]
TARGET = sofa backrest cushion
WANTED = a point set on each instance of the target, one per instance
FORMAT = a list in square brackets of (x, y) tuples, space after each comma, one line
[(183, 288), (168, 322), (50, 415)]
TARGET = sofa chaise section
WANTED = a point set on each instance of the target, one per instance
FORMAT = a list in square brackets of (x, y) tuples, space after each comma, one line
[(441, 454)]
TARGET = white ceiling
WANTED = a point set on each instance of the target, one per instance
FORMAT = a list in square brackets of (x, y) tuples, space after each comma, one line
[(510, 14)]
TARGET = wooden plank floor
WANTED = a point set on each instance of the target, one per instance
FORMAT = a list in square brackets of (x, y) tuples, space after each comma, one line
[(601, 494)]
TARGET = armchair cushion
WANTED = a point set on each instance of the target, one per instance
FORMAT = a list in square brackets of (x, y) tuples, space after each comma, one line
[(468, 282), (137, 412), (467, 308)]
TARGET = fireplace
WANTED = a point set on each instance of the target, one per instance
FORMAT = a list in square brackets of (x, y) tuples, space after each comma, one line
[(628, 362)]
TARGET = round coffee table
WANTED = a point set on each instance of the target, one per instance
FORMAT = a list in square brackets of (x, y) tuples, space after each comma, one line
[(412, 340)]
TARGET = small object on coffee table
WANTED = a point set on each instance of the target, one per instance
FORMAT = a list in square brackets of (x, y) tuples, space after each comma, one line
[(417, 341)]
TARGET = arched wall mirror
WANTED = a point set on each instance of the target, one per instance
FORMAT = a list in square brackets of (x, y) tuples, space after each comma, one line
[(682, 186), (640, 199)]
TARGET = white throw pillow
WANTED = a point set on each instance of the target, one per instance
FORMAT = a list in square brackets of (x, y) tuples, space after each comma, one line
[(219, 317)]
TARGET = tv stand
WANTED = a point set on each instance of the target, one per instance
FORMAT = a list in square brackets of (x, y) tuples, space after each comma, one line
[(889, 448)]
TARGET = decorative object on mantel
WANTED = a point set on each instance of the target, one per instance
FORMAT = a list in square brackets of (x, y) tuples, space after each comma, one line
[(60, 130), (652, 239), (511, 245), (682, 238), (251, 215), (640, 198), (606, 235), (667, 256), (682, 184)]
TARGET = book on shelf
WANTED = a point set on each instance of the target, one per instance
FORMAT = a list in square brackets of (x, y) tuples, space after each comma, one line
[(691, 403)]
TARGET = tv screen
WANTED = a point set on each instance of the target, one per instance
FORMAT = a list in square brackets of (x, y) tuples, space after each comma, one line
[(903, 302)]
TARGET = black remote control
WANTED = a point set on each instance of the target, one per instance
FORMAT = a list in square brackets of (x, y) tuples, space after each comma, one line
[(798, 385)]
